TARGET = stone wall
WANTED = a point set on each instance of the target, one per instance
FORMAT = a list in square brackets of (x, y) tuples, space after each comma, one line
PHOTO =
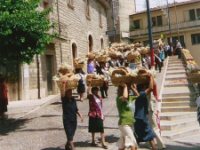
[(75, 28)]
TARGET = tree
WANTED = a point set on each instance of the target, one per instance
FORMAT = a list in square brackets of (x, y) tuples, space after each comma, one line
[(23, 30)]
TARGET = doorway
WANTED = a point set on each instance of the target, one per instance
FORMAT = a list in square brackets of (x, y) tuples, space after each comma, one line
[(102, 47), (90, 43), (49, 72), (74, 52)]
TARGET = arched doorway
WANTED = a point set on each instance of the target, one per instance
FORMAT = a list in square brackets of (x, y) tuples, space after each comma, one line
[(90, 43), (74, 52), (102, 46)]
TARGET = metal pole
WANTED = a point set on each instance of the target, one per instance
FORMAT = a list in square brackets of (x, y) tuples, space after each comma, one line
[(176, 20), (114, 27), (170, 32), (150, 34)]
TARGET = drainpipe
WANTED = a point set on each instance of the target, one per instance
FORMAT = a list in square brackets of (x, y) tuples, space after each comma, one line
[(59, 29), (114, 27), (38, 75)]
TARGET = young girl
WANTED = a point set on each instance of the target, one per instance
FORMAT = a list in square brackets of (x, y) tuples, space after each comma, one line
[(142, 127), (3, 97)]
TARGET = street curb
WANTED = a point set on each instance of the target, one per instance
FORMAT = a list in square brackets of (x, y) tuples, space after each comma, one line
[(51, 100)]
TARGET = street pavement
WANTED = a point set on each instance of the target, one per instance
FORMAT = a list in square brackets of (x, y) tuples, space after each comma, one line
[(41, 127)]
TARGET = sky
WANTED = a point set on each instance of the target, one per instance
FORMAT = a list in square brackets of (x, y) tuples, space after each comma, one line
[(153, 3)]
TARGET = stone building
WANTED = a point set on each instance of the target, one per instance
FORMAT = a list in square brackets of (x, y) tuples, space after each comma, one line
[(122, 9), (82, 25), (185, 25)]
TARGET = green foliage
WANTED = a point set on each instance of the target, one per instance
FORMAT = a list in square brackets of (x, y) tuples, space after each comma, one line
[(132, 27), (23, 30)]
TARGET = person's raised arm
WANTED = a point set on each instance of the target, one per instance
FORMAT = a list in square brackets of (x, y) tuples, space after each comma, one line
[(151, 83), (64, 84), (125, 92), (134, 89), (89, 88)]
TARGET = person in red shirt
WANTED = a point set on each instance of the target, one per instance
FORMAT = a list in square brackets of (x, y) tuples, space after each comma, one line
[(3, 97)]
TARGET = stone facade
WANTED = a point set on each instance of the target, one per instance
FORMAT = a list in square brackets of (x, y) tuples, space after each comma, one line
[(122, 9), (77, 31), (185, 27)]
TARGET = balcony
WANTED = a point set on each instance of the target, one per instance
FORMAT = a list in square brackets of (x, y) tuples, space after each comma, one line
[(105, 3), (165, 28)]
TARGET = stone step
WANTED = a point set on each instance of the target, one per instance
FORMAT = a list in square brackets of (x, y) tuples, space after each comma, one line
[(176, 64), (178, 109), (177, 115), (175, 68), (193, 140), (178, 94), (177, 98), (182, 132), (177, 124), (181, 91), (176, 77), (176, 71), (177, 83), (179, 103)]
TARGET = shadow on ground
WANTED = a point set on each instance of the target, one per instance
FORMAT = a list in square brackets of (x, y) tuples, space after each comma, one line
[(51, 148), (11, 125)]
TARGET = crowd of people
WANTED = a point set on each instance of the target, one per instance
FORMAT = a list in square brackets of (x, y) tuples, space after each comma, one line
[(136, 104)]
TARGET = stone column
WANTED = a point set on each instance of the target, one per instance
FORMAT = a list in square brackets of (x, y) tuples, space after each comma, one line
[(24, 82)]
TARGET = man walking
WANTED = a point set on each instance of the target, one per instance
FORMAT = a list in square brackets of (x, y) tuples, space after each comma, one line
[(178, 48)]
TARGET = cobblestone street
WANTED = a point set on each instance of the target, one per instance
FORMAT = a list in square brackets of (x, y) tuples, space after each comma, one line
[(43, 130)]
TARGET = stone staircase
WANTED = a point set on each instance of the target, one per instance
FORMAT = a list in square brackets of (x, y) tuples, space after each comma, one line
[(178, 117)]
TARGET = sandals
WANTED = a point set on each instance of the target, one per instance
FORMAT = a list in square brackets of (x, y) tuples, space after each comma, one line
[(104, 146)]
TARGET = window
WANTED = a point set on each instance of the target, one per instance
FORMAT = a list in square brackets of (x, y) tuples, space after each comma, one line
[(137, 24), (195, 39), (159, 21), (46, 7), (70, 4), (198, 13), (192, 15), (153, 21), (87, 9), (100, 18), (145, 43)]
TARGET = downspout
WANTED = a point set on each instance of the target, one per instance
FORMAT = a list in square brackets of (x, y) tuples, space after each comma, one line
[(59, 29), (38, 75)]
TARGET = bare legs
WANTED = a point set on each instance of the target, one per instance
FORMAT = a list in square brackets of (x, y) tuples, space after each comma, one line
[(81, 96), (153, 145), (102, 139), (71, 145)]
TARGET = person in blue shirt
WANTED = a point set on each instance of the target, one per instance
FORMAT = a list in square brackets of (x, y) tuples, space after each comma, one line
[(142, 126)]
